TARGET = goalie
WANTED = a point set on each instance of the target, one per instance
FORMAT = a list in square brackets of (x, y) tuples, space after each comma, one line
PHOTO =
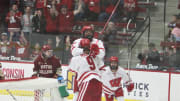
[(112, 77)]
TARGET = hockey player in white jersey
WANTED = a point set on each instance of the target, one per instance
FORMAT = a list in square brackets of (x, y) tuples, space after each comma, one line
[(89, 86), (112, 78), (76, 50), (88, 32)]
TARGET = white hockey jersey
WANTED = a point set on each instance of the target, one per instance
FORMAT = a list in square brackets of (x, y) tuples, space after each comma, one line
[(112, 81), (85, 67), (76, 51)]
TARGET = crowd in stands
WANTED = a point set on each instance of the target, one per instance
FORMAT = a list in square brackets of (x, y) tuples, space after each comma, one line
[(54, 17), (168, 59), (174, 28), (25, 18)]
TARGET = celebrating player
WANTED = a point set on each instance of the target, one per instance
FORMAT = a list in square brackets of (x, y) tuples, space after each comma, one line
[(76, 50), (89, 86), (88, 32), (111, 79), (46, 65)]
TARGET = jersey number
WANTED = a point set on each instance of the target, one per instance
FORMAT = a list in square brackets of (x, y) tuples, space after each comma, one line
[(91, 63), (115, 82)]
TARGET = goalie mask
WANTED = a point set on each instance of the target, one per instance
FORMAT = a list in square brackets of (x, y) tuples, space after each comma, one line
[(87, 32), (113, 63)]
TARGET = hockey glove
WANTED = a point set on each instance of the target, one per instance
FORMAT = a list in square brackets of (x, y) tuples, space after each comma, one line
[(35, 74), (94, 50), (119, 92), (60, 79), (130, 87)]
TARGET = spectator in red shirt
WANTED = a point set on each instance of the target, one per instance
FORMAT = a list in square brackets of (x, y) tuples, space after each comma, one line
[(13, 19), (22, 47), (5, 45), (107, 6), (51, 15), (70, 4), (92, 9), (41, 3), (66, 18)]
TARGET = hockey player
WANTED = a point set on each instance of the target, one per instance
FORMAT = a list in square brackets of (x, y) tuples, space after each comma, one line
[(88, 32), (46, 65), (89, 86), (76, 50), (112, 78)]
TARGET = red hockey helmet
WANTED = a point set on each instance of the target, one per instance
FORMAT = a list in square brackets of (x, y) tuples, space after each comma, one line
[(113, 63), (85, 43), (113, 58), (86, 28), (46, 47)]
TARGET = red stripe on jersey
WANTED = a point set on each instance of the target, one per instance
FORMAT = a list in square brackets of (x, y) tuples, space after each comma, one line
[(102, 68), (72, 70), (82, 91), (85, 76), (105, 88)]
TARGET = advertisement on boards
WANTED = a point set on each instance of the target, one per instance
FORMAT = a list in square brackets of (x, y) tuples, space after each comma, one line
[(149, 85)]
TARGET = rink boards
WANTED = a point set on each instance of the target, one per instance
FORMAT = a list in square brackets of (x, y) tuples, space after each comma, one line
[(149, 85)]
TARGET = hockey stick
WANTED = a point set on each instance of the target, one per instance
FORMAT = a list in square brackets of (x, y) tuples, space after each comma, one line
[(11, 95), (129, 48), (110, 17)]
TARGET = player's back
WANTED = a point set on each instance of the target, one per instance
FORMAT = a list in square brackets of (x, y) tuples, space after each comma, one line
[(85, 67)]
